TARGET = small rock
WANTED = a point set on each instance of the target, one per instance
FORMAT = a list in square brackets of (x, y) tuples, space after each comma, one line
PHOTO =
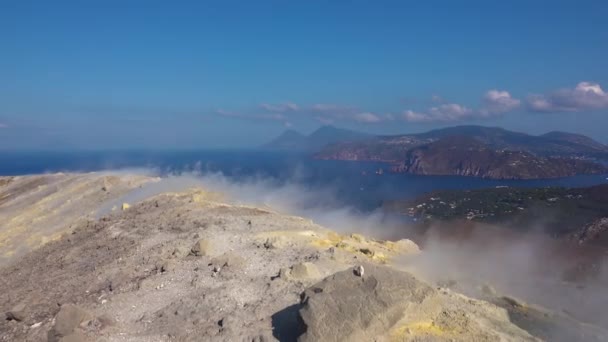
[(359, 270), (229, 259), (305, 270), (284, 273), (98, 323), (201, 248), (180, 252), (228, 322), (69, 318), (276, 242), (17, 313), (36, 325), (370, 253), (258, 338), (313, 257), (165, 266)]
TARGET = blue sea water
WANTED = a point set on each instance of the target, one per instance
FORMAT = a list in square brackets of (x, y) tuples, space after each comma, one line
[(355, 184)]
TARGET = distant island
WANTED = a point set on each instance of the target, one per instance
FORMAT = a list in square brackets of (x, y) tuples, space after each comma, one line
[(488, 152)]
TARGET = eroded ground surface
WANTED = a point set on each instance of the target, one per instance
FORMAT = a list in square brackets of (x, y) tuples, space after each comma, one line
[(37, 209)]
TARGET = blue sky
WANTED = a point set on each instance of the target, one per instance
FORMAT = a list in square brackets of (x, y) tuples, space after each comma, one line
[(205, 74)]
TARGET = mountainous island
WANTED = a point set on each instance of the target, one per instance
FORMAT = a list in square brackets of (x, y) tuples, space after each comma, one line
[(478, 151)]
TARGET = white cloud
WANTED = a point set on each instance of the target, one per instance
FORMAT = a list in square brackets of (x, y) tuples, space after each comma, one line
[(540, 104), (367, 117), (328, 107), (498, 102), (253, 117), (450, 112), (329, 113), (494, 102), (281, 107), (411, 116), (445, 112), (585, 96)]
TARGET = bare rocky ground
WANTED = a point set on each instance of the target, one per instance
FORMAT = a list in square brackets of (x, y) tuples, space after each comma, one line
[(37, 209), (186, 267)]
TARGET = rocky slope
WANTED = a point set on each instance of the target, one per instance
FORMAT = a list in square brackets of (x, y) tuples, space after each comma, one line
[(185, 266), (478, 151), (464, 156)]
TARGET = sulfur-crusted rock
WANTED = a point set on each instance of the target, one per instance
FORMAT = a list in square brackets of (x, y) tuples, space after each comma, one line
[(305, 270), (345, 307), (389, 305)]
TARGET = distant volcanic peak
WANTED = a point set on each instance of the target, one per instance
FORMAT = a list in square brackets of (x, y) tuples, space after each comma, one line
[(323, 136)]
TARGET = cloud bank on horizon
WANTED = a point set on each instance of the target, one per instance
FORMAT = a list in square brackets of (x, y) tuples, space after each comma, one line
[(585, 96)]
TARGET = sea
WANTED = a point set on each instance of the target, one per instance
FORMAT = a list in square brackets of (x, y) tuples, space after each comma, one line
[(363, 186)]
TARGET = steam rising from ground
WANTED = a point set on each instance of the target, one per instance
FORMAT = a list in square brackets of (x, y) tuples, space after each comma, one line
[(531, 267), (289, 197), (527, 266)]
